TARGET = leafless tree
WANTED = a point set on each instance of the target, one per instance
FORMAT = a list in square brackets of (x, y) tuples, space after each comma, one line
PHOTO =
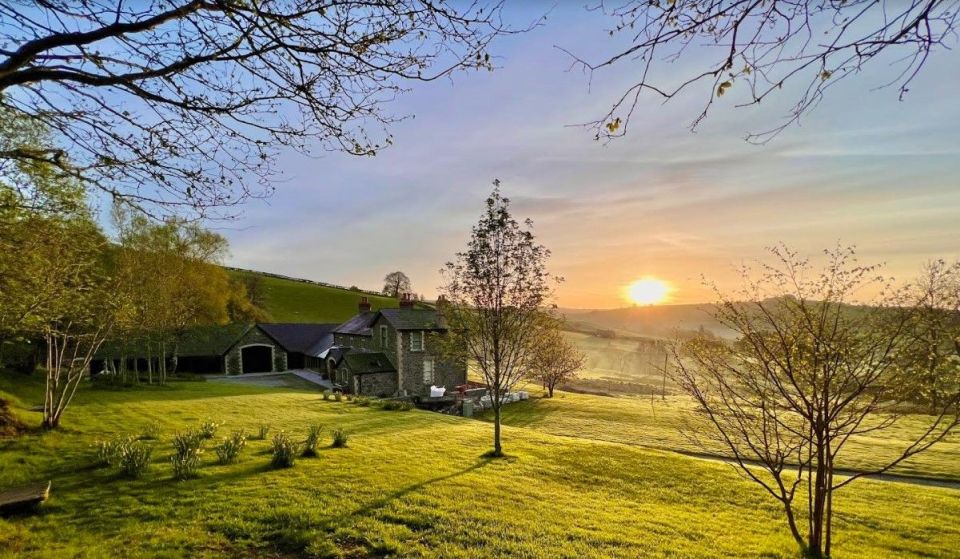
[(182, 104), (762, 46), (809, 372)]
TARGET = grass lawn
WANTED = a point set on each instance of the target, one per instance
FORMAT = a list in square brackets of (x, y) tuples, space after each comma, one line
[(296, 301), (412, 484), (655, 423)]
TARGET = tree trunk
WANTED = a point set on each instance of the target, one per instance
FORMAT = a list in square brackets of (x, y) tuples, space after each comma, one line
[(174, 361), (163, 362), (792, 521), (149, 365), (497, 447), (550, 390), (818, 512)]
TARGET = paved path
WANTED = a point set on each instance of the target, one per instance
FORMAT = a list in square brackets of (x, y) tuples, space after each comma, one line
[(313, 377), (278, 379)]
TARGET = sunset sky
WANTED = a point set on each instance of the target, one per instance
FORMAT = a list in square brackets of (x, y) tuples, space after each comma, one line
[(863, 169)]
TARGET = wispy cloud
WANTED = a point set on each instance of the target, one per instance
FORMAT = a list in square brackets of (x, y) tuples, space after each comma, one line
[(864, 168)]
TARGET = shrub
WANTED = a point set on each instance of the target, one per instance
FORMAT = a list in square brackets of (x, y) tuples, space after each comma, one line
[(262, 431), (208, 429), (151, 432), (229, 449), (362, 401), (349, 397), (187, 447), (326, 394), (284, 451), (338, 396), (108, 452), (313, 438), (339, 438), (134, 458), (10, 425), (187, 441), (397, 405)]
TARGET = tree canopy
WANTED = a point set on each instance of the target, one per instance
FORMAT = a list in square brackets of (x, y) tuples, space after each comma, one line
[(182, 104), (779, 47), (396, 284)]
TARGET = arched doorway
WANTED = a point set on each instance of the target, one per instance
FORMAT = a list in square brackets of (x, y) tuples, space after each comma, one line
[(257, 358)]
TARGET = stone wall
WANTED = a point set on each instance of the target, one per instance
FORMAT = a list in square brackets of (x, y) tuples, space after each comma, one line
[(410, 365), (349, 340), (255, 335), (380, 385)]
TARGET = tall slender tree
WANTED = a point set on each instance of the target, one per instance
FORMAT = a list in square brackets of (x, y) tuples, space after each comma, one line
[(493, 297)]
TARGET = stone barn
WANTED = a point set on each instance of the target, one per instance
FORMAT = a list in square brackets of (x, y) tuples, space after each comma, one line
[(231, 349)]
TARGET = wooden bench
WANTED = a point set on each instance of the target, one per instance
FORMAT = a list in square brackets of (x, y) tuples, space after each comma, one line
[(23, 498)]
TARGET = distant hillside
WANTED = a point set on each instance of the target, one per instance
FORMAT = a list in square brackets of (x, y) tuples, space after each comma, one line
[(657, 320), (295, 300)]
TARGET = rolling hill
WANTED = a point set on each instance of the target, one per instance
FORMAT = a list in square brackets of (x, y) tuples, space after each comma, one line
[(298, 300), (660, 321)]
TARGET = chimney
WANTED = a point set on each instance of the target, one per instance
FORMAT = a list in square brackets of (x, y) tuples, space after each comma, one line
[(364, 305), (406, 302)]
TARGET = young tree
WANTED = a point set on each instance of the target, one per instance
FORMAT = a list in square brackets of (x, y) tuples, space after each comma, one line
[(555, 361), (934, 354), (81, 314), (762, 47), (809, 372), (396, 284), (170, 281), (182, 104), (244, 306), (492, 300)]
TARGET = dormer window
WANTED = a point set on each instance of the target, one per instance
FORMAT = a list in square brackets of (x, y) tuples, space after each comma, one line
[(416, 341)]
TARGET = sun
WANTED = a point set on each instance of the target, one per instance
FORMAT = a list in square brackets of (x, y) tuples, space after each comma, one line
[(648, 291)]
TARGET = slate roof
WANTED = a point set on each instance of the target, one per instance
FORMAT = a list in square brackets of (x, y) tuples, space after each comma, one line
[(211, 340), (368, 362), (414, 319), (298, 338), (320, 346), (359, 325), (195, 342)]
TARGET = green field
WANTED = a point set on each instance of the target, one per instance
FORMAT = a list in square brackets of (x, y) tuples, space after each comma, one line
[(654, 423), (297, 301), (619, 365), (414, 484)]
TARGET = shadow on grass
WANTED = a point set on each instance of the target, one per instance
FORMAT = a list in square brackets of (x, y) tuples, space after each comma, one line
[(384, 501)]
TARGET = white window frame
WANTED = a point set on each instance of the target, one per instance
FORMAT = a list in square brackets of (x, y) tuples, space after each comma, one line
[(422, 338), (428, 371)]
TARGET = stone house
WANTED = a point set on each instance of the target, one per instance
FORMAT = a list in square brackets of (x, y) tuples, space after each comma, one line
[(391, 353)]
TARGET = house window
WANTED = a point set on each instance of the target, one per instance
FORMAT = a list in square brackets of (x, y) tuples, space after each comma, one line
[(384, 339), (416, 341), (428, 370)]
